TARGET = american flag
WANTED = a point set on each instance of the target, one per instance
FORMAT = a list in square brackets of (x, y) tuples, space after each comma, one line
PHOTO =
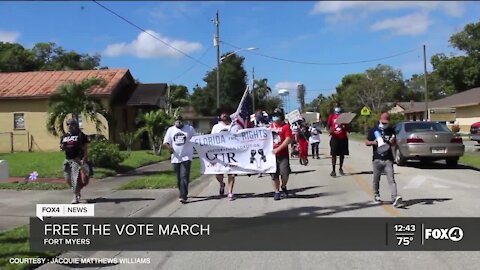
[(242, 116)]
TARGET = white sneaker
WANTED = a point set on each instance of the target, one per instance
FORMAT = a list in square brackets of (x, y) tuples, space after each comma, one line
[(397, 201), (75, 199), (377, 199)]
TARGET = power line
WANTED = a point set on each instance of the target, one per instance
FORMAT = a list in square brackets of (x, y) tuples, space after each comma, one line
[(191, 67), (153, 36), (326, 63)]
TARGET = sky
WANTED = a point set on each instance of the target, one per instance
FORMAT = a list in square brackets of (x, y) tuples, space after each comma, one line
[(326, 34)]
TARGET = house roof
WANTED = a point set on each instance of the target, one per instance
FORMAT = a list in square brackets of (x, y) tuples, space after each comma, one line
[(466, 98), (41, 84), (152, 94)]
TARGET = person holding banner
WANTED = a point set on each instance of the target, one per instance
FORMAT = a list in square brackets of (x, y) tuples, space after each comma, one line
[(382, 137), (338, 140), (225, 125), (177, 140), (282, 136)]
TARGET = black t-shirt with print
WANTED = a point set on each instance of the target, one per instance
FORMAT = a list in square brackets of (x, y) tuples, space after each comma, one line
[(73, 145), (386, 134)]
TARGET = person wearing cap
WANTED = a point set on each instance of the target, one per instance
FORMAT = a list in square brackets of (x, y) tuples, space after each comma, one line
[(382, 160), (282, 136), (225, 125), (338, 140), (75, 168), (177, 140)]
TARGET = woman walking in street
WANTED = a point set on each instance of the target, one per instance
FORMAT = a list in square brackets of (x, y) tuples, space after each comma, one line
[(76, 169)]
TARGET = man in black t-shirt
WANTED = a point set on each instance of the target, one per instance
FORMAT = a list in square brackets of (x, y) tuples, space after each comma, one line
[(76, 169), (381, 137)]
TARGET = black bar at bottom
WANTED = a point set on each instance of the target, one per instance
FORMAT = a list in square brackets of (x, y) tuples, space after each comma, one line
[(255, 234)]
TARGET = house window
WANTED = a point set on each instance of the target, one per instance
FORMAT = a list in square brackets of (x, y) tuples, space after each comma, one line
[(18, 121), (80, 121)]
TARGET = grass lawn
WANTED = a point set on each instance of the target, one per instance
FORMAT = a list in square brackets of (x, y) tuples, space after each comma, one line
[(33, 186), (471, 160), (49, 164), (166, 179), (15, 243)]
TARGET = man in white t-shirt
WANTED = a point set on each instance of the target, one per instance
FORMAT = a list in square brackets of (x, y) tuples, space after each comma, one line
[(225, 125), (314, 140), (177, 139)]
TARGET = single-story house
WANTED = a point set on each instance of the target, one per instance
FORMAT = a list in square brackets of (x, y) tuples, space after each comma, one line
[(466, 104), (24, 108), (202, 124), (414, 111)]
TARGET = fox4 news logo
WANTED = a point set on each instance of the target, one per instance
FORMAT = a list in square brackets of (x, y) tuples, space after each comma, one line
[(454, 234)]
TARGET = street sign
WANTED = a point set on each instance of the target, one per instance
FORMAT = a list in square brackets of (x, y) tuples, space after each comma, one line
[(365, 111)]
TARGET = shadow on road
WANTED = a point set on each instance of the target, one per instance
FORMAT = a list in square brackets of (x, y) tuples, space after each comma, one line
[(407, 203), (293, 194), (117, 200), (320, 211)]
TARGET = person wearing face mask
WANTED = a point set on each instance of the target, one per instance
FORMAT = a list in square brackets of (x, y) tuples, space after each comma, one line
[(382, 160), (338, 140), (177, 140), (225, 125), (282, 136), (75, 168)]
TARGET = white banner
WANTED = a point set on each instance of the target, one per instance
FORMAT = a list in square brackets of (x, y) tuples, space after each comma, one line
[(246, 152)]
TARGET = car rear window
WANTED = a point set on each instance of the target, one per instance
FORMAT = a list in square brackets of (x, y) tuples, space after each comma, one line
[(425, 127)]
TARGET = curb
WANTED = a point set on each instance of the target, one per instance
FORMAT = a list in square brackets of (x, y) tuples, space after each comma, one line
[(170, 197)]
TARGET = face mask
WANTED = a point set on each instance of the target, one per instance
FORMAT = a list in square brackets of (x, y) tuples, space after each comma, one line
[(276, 119), (337, 110), (382, 126)]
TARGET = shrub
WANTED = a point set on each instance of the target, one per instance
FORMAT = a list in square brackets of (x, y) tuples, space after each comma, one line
[(358, 123), (455, 128), (105, 154), (127, 139)]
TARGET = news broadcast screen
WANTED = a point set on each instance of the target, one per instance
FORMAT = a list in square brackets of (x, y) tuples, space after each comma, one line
[(239, 135)]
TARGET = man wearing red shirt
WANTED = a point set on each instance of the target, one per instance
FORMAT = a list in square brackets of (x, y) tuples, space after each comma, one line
[(338, 140), (282, 136)]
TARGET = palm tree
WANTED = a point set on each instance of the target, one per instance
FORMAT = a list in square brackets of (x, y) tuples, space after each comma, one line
[(155, 123), (261, 88), (73, 99)]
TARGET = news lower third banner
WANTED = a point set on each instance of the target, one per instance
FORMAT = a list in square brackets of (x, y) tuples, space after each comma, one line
[(255, 234)]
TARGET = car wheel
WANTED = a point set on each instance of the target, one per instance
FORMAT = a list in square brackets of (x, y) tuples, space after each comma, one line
[(399, 159), (452, 161)]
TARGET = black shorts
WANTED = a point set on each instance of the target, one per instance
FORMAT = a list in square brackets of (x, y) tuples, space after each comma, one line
[(339, 147), (283, 167)]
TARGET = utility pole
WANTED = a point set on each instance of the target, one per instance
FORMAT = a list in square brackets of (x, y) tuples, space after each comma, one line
[(216, 43), (253, 88), (425, 82)]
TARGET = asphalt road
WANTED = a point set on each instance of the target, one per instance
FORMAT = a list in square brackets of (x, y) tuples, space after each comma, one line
[(428, 191)]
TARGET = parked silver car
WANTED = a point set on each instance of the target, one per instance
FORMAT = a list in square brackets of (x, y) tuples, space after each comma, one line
[(426, 141)]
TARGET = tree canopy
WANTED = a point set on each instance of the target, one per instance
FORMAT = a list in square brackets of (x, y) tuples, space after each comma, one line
[(43, 56), (232, 86)]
